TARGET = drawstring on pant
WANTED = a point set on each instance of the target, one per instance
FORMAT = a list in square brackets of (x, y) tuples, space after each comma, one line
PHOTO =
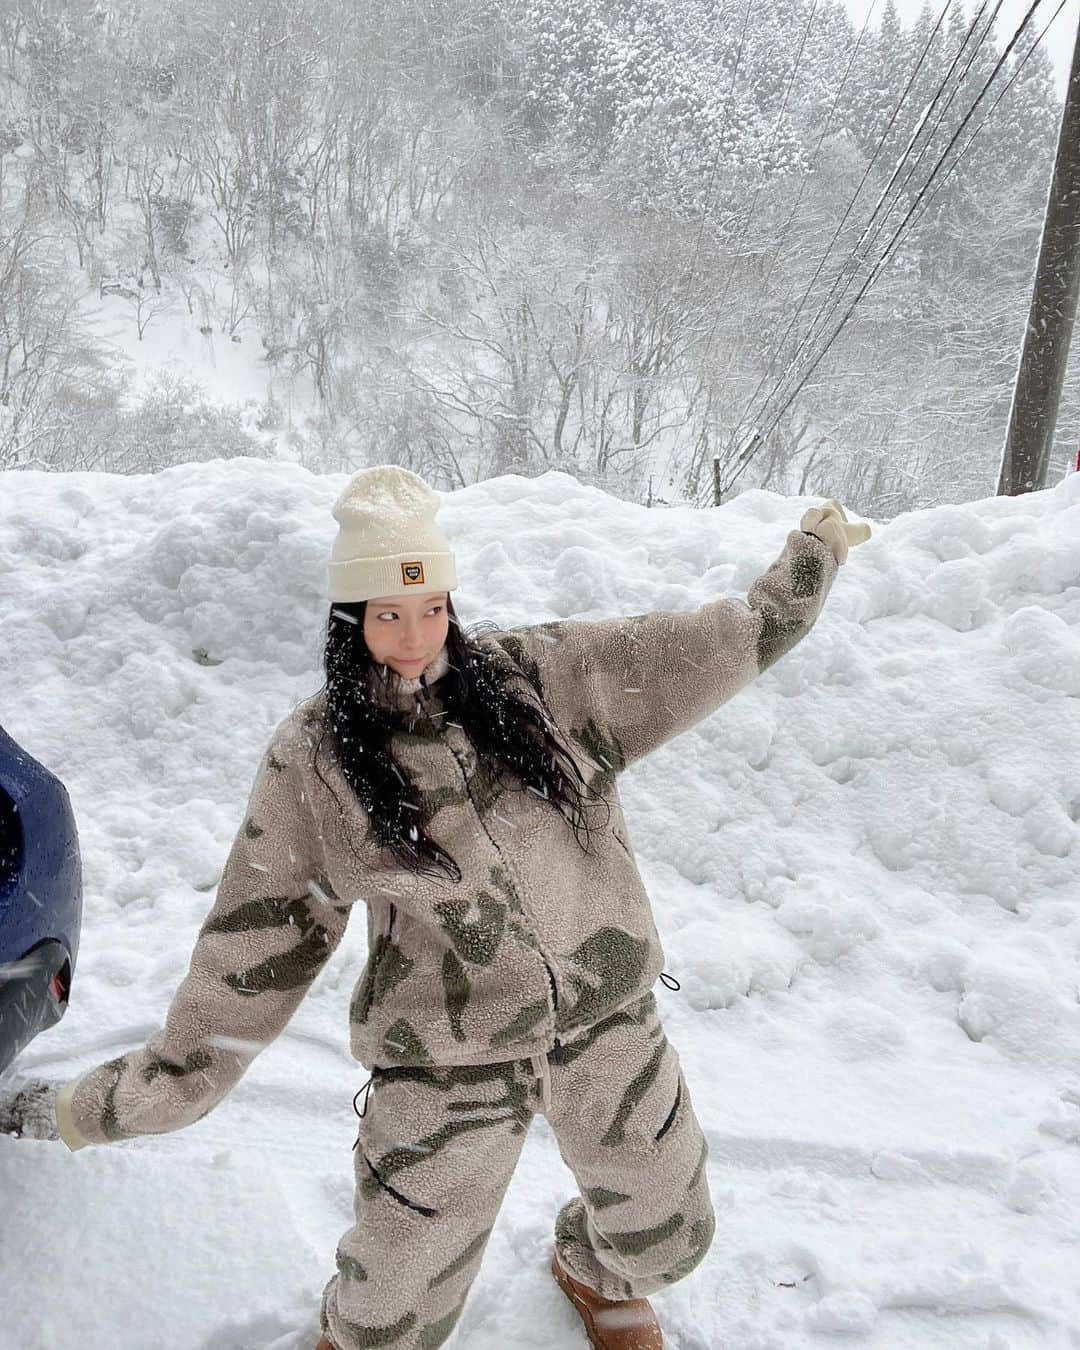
[(539, 1063), (366, 1090), (543, 1074)]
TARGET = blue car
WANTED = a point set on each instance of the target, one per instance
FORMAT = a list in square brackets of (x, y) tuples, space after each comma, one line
[(40, 898)]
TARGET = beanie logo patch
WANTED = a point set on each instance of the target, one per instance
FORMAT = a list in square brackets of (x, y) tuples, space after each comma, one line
[(412, 573)]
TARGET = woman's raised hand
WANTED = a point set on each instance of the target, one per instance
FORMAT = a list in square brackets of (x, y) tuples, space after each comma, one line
[(830, 523)]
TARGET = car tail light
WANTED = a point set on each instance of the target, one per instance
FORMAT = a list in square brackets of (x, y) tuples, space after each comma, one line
[(58, 988)]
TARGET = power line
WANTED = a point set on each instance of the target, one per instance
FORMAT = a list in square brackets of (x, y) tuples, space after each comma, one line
[(989, 112), (890, 247), (948, 102), (829, 302), (850, 268)]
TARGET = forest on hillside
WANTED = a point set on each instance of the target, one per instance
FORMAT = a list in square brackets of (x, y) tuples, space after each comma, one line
[(608, 236)]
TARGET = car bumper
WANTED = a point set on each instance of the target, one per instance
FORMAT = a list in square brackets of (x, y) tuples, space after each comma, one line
[(27, 1006)]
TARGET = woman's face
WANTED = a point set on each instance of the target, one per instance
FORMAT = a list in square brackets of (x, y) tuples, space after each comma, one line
[(406, 632)]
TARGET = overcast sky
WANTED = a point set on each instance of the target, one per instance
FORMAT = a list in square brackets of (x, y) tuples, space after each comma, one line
[(1059, 40)]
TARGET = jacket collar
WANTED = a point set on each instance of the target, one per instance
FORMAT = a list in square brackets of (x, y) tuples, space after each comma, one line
[(392, 690)]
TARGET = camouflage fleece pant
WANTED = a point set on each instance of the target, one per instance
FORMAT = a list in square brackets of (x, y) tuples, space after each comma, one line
[(436, 1150)]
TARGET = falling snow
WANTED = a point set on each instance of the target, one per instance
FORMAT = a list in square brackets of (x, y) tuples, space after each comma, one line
[(862, 871)]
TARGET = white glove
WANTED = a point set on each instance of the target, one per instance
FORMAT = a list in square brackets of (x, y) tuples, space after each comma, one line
[(829, 522)]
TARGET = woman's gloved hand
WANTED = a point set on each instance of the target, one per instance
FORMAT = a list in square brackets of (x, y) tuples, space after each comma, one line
[(829, 522), (40, 1110), (29, 1112)]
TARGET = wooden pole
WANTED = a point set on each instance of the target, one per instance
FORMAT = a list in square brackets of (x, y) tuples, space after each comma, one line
[(1045, 353)]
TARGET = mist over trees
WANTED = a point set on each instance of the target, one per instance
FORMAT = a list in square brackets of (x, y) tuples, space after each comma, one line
[(479, 238)]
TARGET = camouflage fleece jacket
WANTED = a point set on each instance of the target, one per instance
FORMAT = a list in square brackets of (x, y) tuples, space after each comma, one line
[(537, 942)]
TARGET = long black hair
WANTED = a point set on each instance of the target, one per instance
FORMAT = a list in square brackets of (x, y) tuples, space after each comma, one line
[(507, 730)]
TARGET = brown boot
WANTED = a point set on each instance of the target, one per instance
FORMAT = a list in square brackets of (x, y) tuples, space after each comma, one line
[(325, 1344), (611, 1324)]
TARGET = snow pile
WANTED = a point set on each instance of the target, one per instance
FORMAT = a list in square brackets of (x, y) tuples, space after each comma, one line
[(865, 871)]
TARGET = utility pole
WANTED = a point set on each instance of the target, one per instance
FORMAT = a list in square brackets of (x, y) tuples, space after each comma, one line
[(1045, 353)]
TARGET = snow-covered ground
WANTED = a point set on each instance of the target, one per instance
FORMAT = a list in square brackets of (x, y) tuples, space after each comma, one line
[(865, 871)]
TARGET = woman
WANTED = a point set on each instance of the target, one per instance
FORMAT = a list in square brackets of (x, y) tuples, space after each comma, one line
[(464, 787)]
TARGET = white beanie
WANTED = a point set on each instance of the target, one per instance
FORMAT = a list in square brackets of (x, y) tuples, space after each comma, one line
[(388, 540)]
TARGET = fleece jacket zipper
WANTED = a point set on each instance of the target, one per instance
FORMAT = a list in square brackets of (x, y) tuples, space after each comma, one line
[(550, 974)]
